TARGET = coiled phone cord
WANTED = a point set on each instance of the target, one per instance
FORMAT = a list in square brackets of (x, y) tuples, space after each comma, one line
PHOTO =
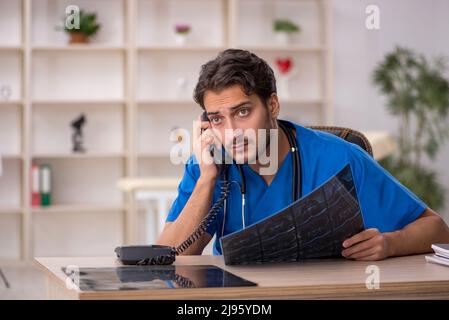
[(196, 234), (207, 220)]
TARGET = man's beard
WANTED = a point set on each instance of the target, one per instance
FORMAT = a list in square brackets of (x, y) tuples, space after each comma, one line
[(248, 156)]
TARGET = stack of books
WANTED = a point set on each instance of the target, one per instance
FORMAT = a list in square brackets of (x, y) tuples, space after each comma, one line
[(441, 255)]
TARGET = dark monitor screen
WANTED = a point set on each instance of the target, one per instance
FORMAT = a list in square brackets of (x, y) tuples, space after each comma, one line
[(153, 277)]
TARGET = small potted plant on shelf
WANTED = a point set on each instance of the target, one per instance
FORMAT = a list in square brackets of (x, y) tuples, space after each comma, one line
[(88, 27), (283, 28), (182, 30)]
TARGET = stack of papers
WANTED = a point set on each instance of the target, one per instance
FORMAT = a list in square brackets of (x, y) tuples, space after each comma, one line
[(441, 255)]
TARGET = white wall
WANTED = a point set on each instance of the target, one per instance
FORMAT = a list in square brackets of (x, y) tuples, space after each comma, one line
[(421, 25)]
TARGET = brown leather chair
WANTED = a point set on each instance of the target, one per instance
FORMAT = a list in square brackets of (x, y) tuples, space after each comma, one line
[(349, 135)]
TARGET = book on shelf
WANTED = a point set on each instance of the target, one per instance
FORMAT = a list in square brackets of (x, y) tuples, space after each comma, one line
[(41, 185), (35, 190)]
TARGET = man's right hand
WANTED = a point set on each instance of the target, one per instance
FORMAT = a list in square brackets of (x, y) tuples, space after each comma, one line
[(204, 138), (199, 201)]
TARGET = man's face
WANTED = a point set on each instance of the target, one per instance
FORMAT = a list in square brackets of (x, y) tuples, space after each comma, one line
[(231, 113)]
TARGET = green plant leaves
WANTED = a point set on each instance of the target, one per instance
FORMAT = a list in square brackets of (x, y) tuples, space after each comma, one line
[(284, 25), (423, 182), (88, 24), (418, 93)]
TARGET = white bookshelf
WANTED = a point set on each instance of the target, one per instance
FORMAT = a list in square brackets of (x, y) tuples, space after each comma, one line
[(126, 83), (78, 48)]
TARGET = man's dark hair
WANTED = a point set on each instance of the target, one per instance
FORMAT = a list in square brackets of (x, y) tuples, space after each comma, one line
[(236, 67)]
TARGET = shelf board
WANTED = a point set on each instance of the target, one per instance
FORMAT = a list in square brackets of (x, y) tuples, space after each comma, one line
[(10, 102), (77, 47), (181, 48), (10, 210), (73, 208), (283, 48), (258, 2), (166, 102), (11, 48), (99, 155), (131, 184), (56, 102), (149, 155), (13, 262), (301, 102), (11, 156)]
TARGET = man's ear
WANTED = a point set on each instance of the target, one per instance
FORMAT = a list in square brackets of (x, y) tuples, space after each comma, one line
[(273, 106)]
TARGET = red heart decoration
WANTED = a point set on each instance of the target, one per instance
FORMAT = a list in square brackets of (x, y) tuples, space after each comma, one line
[(284, 65)]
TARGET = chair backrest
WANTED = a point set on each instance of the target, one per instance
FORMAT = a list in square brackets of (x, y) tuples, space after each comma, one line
[(349, 135)]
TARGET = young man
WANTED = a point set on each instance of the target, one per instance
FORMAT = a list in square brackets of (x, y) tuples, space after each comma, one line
[(238, 91)]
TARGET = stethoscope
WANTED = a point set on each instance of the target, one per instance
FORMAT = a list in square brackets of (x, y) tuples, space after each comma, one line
[(287, 128)]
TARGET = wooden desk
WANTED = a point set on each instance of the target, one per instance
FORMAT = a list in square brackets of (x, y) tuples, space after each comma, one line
[(405, 278)]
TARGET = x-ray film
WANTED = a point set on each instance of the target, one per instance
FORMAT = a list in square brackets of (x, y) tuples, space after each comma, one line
[(314, 226)]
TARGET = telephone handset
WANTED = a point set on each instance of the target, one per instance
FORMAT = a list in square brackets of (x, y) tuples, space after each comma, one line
[(163, 255), (219, 158)]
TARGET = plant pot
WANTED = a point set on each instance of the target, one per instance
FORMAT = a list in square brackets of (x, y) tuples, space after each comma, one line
[(181, 38), (78, 37), (282, 38)]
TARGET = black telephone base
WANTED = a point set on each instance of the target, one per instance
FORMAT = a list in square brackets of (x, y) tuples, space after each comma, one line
[(131, 255)]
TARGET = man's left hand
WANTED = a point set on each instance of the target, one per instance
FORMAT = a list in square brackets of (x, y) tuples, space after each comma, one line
[(368, 245)]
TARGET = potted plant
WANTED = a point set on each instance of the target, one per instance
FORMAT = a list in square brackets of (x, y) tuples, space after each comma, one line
[(88, 27), (181, 32), (283, 28), (418, 93)]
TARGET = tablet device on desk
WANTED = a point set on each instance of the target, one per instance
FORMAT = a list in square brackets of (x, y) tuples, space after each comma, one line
[(154, 277)]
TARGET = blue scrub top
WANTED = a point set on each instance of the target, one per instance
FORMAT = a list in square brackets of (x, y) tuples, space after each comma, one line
[(385, 203)]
